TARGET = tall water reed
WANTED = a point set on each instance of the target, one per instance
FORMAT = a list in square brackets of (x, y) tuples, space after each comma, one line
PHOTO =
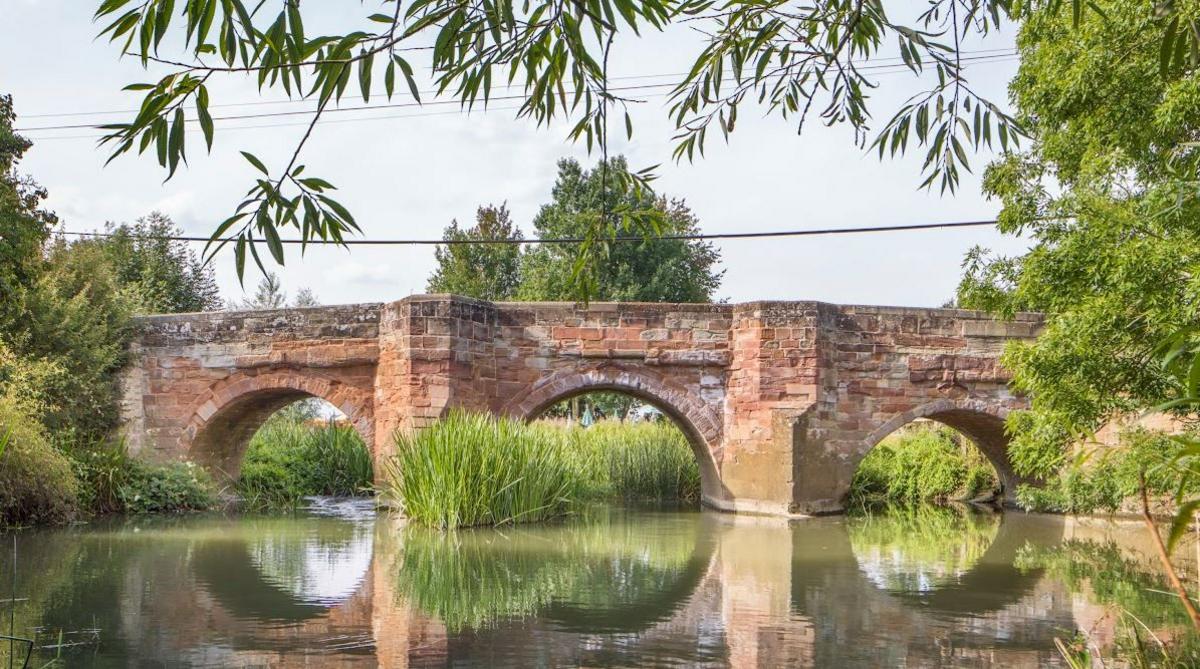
[(471, 469)]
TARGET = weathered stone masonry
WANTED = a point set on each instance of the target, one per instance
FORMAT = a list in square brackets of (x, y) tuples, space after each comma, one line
[(780, 399)]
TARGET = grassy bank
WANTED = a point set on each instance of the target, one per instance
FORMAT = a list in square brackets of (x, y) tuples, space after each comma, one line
[(471, 469), (922, 463), (292, 457)]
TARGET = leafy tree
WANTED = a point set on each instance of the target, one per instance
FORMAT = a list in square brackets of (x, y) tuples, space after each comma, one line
[(305, 297), (270, 295), (797, 62), (653, 270), (1102, 193), (485, 271), (64, 315), (24, 224), (165, 276)]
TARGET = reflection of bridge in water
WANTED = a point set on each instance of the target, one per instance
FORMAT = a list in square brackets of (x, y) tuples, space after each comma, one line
[(719, 591), (751, 592)]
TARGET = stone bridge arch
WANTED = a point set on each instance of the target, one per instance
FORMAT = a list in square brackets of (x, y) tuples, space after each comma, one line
[(695, 417), (227, 415), (981, 421)]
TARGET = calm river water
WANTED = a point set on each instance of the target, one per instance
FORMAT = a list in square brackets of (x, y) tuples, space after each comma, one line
[(338, 586)]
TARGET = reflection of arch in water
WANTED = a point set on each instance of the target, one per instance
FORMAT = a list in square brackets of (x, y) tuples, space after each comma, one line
[(578, 578), (644, 608), (233, 570), (992, 581), (830, 589), (690, 413)]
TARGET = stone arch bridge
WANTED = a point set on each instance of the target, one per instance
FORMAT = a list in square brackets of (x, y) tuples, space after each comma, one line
[(780, 400)]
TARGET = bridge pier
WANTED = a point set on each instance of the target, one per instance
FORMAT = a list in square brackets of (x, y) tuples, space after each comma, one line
[(780, 400)]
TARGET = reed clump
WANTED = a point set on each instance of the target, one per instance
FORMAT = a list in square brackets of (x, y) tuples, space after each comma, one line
[(472, 469)]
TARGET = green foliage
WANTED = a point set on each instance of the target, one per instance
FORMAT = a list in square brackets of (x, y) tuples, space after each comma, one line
[(78, 324), (174, 488), (1109, 479), (36, 482), (470, 469), (656, 270), (113, 482), (794, 62), (24, 224), (484, 271), (1099, 194), (288, 459), (102, 468), (921, 464)]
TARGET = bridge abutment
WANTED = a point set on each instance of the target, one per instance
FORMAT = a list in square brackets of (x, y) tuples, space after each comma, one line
[(780, 400)]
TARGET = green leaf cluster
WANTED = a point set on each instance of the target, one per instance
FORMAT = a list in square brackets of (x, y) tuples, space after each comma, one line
[(1113, 253), (653, 270)]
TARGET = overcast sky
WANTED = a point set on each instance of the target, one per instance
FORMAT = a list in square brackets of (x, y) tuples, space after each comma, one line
[(410, 171)]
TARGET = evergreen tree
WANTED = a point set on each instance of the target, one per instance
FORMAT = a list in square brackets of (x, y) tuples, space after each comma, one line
[(165, 276)]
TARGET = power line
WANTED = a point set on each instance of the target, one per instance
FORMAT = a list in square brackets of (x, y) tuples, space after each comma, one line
[(564, 240), (324, 122), (383, 117), (880, 62), (300, 112)]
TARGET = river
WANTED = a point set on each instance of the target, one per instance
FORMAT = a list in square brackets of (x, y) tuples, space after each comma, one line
[(340, 586)]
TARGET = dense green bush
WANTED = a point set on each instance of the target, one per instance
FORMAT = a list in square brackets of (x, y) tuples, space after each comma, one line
[(1107, 479), (172, 488), (36, 482), (113, 482), (921, 464), (289, 459), (471, 469)]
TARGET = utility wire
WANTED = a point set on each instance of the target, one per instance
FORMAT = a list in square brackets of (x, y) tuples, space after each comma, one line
[(383, 117), (299, 112), (879, 62), (563, 240)]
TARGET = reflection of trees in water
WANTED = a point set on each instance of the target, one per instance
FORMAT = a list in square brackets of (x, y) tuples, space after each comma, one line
[(604, 573), (920, 548), (1109, 575), (157, 589)]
